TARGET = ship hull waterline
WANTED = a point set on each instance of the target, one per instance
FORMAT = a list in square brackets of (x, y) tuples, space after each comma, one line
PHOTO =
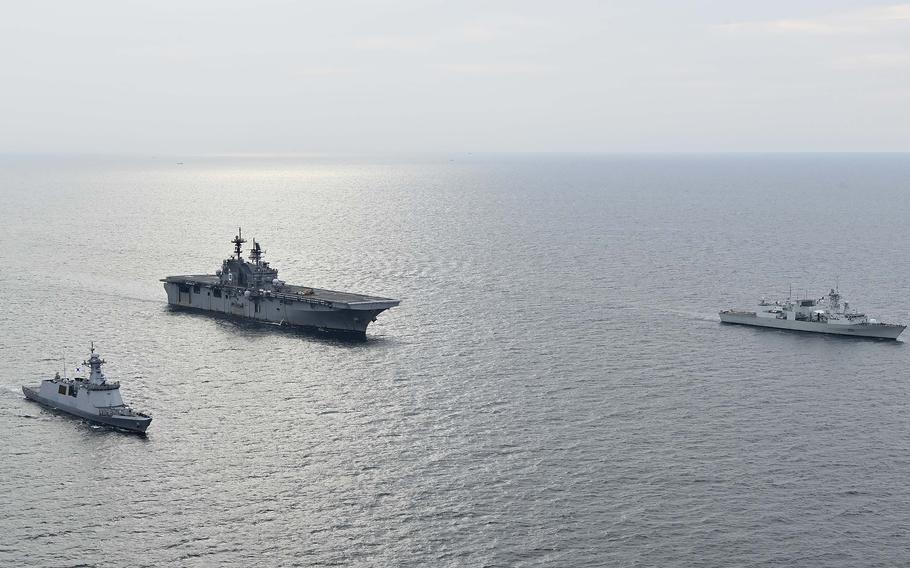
[(311, 314), (308, 329), (130, 425), (872, 331)]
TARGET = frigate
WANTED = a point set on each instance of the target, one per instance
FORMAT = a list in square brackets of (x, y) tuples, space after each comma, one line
[(93, 399), (828, 314), (251, 289)]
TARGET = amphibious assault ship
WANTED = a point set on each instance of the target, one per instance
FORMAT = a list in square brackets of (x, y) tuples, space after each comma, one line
[(93, 399), (827, 314), (251, 289)]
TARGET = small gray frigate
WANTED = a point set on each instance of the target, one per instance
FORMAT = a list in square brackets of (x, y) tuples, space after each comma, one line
[(251, 289), (93, 399), (827, 314)]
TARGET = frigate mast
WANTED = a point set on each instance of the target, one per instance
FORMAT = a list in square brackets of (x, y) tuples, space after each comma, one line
[(96, 377)]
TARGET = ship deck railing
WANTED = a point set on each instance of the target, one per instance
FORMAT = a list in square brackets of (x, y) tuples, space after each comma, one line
[(296, 297), (119, 410), (103, 386), (289, 292)]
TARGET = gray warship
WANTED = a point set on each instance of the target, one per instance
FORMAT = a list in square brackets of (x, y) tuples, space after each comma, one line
[(828, 314), (251, 289), (93, 399)]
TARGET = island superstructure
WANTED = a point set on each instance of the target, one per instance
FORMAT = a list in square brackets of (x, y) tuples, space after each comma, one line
[(251, 289), (93, 399), (828, 314)]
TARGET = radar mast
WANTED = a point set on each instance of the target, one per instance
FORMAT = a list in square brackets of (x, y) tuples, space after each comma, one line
[(96, 377), (256, 253), (238, 241)]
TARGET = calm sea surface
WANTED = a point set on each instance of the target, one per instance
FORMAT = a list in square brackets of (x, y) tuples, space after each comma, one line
[(554, 390)]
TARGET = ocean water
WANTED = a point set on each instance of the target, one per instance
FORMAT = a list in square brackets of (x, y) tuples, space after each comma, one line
[(554, 390)]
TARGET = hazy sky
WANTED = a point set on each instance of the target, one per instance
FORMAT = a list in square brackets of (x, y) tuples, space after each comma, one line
[(211, 77)]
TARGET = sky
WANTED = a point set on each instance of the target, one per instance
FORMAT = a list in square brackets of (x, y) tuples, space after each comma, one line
[(213, 77)]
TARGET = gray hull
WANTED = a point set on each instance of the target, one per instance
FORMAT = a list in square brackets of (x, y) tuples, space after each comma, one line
[(315, 313), (137, 424), (871, 330)]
